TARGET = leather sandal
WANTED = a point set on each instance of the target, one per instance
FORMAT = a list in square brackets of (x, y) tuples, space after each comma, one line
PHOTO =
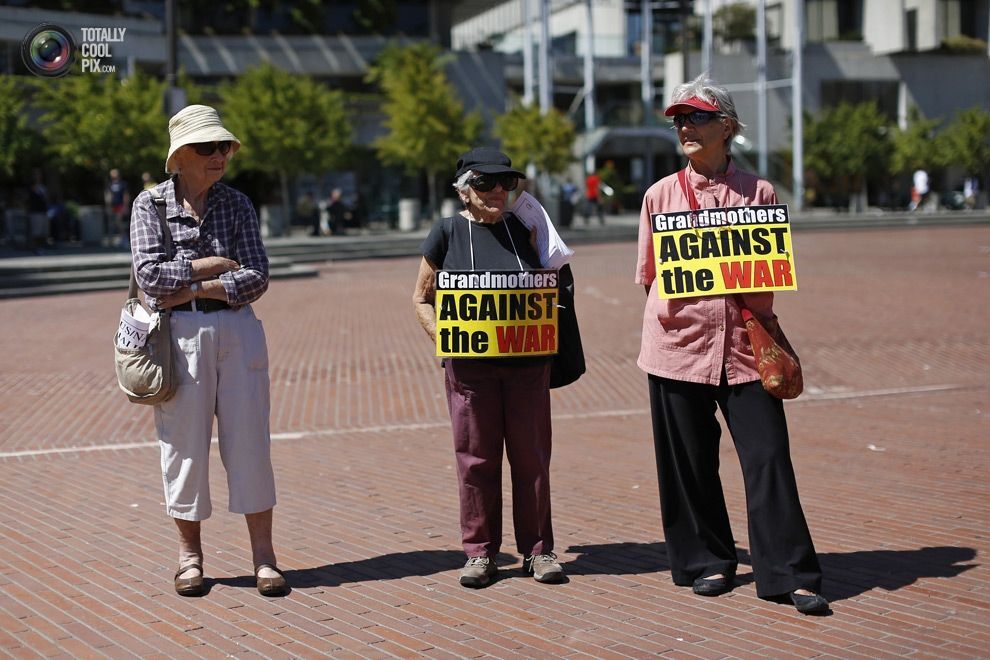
[(190, 586), (275, 586)]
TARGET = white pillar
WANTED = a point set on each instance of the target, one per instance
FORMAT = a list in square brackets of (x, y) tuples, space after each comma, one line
[(546, 92), (761, 84), (527, 25), (797, 118), (646, 88), (589, 69), (706, 46)]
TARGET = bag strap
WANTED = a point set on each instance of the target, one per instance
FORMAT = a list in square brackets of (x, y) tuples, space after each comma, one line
[(159, 201), (691, 197), (693, 202)]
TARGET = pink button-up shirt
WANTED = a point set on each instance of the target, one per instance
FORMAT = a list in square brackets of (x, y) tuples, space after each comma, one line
[(693, 339)]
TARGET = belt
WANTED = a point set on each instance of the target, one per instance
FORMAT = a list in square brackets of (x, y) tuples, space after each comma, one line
[(202, 305)]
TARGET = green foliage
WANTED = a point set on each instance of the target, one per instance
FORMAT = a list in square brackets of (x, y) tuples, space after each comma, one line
[(287, 124), (427, 126), (964, 45), (98, 122), (374, 15), (916, 146), (845, 144), (735, 22), (530, 137), (17, 140), (966, 141)]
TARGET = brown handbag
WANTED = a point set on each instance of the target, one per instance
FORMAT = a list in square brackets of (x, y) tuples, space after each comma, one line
[(145, 374), (778, 364)]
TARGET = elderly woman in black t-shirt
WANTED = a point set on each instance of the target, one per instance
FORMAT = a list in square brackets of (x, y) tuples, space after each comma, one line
[(493, 401)]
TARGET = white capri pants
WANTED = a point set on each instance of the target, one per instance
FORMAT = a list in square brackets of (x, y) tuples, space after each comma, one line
[(221, 363)]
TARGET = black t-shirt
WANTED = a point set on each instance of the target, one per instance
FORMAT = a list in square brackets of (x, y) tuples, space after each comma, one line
[(448, 247)]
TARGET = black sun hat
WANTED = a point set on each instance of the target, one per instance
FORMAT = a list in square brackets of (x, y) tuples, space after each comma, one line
[(486, 160)]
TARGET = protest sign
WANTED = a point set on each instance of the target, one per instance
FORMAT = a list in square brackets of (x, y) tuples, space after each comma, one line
[(729, 250), (496, 313)]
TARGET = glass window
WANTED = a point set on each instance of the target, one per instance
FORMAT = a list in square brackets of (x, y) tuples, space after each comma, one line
[(853, 92)]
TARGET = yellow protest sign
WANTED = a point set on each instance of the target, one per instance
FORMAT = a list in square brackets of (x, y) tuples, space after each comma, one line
[(496, 313), (728, 250)]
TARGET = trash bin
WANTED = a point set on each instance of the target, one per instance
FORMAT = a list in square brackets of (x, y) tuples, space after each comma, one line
[(272, 222), (408, 214), (91, 225), (450, 207), (18, 227)]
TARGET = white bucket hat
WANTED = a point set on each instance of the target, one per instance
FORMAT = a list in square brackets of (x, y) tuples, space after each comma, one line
[(194, 124)]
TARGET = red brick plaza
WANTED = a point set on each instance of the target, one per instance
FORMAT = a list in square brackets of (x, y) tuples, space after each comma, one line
[(889, 442)]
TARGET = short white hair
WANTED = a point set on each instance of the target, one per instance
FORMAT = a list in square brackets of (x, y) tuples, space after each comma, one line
[(462, 181), (709, 91)]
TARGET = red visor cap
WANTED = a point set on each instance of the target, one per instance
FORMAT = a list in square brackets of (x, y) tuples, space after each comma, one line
[(689, 105)]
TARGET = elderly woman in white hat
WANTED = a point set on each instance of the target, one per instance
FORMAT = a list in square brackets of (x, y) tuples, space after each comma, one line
[(217, 269)]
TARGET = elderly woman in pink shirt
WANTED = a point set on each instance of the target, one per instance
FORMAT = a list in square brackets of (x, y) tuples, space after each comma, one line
[(698, 359)]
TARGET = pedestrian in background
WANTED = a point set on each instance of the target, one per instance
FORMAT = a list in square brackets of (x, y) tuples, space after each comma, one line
[(592, 198), (117, 198), (219, 268), (698, 360), (919, 193), (493, 402)]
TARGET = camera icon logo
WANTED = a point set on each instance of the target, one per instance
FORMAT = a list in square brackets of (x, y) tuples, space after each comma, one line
[(48, 50)]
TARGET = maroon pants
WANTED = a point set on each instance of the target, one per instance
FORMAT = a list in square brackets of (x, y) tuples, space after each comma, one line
[(491, 404)]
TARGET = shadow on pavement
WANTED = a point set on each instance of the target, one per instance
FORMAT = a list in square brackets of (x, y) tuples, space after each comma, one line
[(849, 574), (618, 559), (383, 567)]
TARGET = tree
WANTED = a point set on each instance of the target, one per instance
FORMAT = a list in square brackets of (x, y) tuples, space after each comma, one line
[(846, 144), (98, 122), (427, 126), (735, 22), (915, 147), (530, 137), (966, 142), (16, 138), (288, 124)]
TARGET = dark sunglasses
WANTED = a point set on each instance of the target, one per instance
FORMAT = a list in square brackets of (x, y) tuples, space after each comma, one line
[(207, 148), (486, 182), (696, 118)]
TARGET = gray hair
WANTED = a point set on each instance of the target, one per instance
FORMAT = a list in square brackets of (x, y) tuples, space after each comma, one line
[(707, 89), (462, 181)]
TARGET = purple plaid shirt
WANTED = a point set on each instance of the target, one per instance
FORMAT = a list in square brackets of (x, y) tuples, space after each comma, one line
[(229, 229)]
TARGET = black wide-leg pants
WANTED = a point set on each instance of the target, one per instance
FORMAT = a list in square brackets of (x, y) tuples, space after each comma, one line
[(695, 522)]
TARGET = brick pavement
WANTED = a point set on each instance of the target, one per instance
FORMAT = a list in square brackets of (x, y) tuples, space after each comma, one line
[(889, 444)]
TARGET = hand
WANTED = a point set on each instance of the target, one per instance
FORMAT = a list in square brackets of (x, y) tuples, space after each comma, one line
[(181, 296), (209, 267)]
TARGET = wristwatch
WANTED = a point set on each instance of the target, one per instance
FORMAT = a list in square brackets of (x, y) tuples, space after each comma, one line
[(195, 288)]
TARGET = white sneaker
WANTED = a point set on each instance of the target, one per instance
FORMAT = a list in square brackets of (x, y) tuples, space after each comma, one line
[(478, 572)]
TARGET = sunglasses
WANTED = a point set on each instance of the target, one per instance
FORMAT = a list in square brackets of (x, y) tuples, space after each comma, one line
[(696, 118), (486, 182), (207, 148)]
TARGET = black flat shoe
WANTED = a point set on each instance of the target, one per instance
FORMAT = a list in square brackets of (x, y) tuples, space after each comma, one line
[(713, 586), (813, 604)]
